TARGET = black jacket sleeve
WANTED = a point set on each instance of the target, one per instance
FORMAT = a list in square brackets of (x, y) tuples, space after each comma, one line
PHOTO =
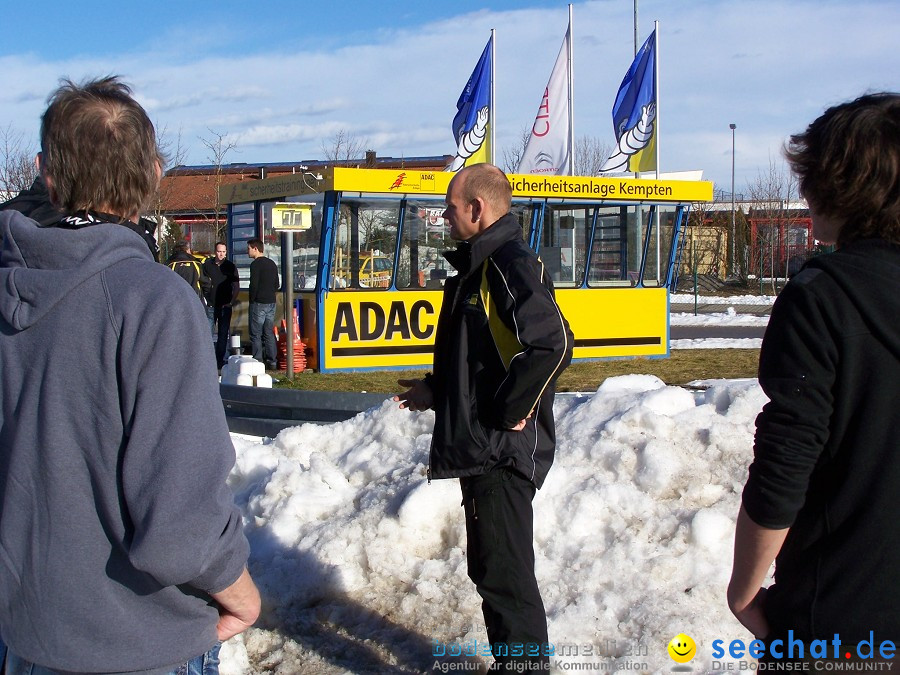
[(797, 367)]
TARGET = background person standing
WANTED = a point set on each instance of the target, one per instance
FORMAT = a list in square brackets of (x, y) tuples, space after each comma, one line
[(263, 287), (185, 265), (223, 293)]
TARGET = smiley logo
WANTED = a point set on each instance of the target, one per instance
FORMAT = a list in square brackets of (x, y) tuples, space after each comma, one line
[(682, 648)]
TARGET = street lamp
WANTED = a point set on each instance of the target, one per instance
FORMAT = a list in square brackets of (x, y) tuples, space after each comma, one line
[(732, 127)]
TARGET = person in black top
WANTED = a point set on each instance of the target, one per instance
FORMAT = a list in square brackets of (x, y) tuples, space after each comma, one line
[(263, 287), (223, 293), (185, 265), (35, 203), (821, 495), (500, 345)]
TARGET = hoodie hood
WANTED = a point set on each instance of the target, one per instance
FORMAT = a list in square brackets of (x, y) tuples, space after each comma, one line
[(41, 265), (868, 272)]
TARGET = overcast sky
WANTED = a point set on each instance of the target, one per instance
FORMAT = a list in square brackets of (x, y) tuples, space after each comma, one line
[(281, 77)]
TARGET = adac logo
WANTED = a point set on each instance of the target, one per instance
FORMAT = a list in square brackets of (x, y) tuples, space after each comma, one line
[(414, 181), (398, 181), (682, 649)]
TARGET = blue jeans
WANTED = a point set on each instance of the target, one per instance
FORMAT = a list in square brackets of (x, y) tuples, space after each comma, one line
[(221, 317), (205, 664), (262, 336)]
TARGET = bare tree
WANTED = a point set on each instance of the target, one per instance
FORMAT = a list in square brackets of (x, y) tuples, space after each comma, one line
[(344, 146), (590, 153), (218, 146), (512, 156), (17, 167), (168, 232), (772, 197)]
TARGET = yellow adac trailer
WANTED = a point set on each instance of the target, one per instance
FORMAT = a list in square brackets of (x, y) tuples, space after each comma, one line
[(367, 269)]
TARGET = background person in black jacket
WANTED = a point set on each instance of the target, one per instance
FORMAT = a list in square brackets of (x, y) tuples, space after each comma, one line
[(223, 293), (35, 203), (500, 345), (185, 265), (263, 287), (822, 489)]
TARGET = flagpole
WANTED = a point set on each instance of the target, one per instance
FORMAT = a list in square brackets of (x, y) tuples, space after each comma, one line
[(492, 118), (657, 87), (637, 174), (657, 136), (571, 96), (635, 27)]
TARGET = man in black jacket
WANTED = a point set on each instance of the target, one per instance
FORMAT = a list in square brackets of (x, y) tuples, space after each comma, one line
[(500, 345), (223, 293), (822, 489)]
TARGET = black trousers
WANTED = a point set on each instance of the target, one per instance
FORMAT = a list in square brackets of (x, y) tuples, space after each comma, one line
[(500, 556)]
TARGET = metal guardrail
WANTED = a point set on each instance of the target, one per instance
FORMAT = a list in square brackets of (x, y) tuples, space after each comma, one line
[(260, 411)]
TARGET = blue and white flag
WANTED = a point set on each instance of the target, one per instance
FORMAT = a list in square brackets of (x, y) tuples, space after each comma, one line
[(471, 125), (634, 115)]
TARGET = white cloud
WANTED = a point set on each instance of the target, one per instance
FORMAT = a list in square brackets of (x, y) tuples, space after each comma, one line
[(768, 66)]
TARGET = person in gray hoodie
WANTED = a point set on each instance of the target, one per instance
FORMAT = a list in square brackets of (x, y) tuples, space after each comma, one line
[(121, 549)]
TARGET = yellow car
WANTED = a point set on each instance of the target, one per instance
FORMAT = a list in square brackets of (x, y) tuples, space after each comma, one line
[(374, 272)]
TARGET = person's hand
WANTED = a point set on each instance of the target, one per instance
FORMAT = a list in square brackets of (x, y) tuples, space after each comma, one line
[(750, 613), (521, 423), (417, 397), (239, 607)]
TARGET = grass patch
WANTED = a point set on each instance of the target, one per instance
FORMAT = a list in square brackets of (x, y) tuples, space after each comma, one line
[(683, 366)]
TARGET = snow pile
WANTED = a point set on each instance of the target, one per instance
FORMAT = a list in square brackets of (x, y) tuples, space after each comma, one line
[(362, 564)]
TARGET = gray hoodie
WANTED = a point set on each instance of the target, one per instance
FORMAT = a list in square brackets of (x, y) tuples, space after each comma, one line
[(115, 518)]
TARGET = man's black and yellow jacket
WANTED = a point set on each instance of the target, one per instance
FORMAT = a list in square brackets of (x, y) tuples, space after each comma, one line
[(501, 344)]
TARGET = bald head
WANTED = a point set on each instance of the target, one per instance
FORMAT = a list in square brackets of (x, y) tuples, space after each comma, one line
[(490, 184), (477, 197)]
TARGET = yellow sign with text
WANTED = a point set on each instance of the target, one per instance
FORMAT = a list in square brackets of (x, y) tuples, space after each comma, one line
[(387, 329), (292, 216), (562, 187), (395, 329), (409, 182)]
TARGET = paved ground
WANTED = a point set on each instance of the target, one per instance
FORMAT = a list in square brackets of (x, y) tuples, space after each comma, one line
[(711, 308), (727, 332)]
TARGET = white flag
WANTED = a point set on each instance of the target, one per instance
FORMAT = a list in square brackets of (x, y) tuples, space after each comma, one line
[(549, 145)]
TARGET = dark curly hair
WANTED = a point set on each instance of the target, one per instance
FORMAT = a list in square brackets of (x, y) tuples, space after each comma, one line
[(848, 163)]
